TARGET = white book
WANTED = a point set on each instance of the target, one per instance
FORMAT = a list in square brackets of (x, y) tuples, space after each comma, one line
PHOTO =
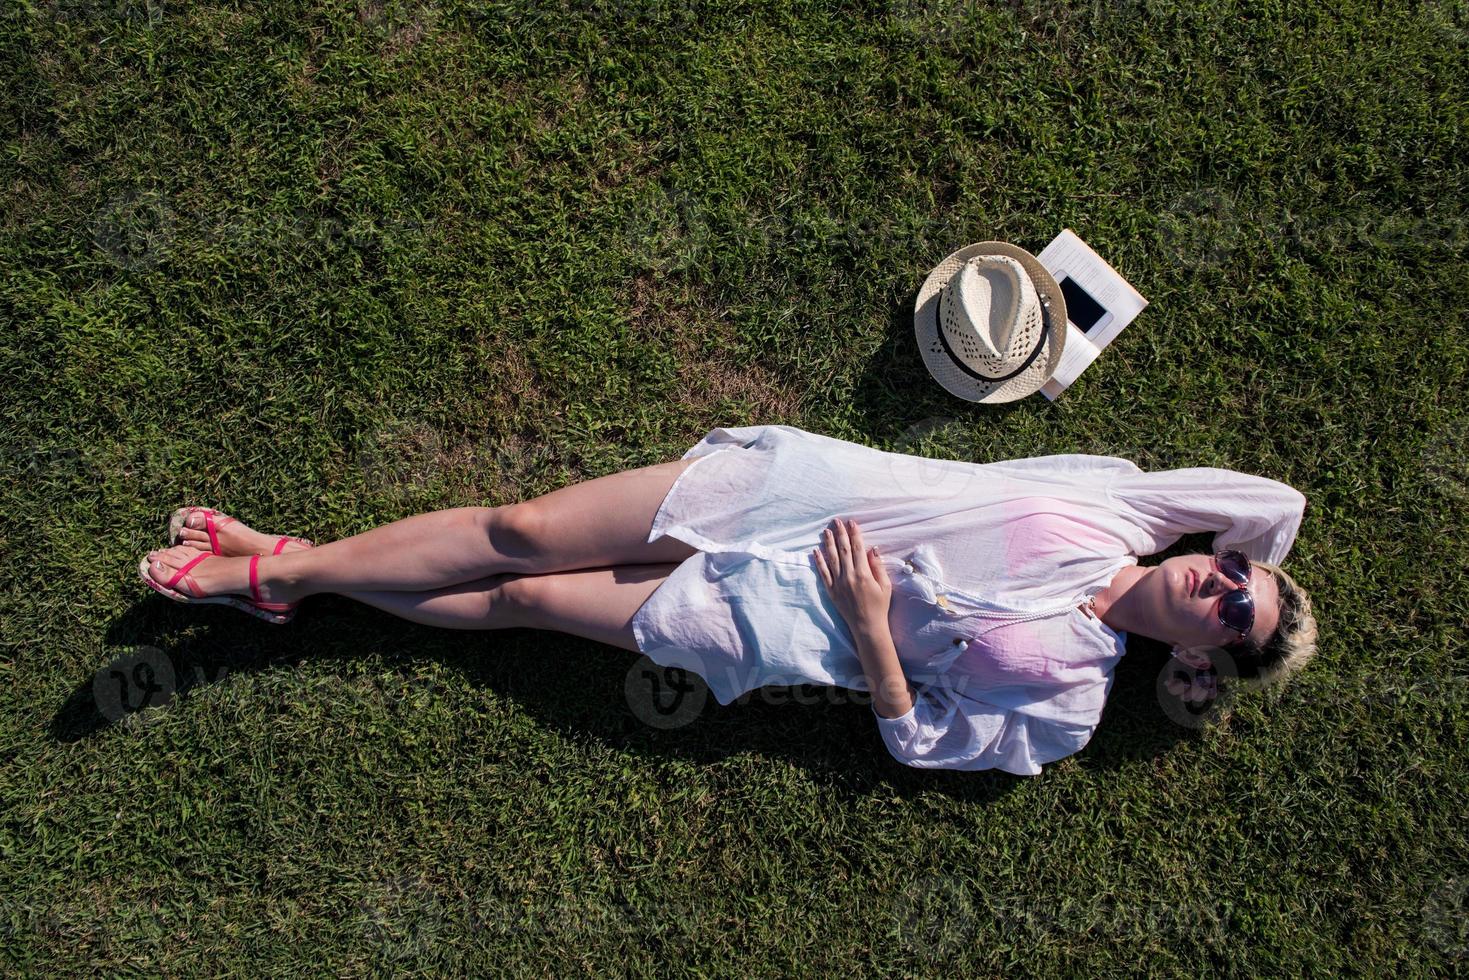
[(1099, 305)]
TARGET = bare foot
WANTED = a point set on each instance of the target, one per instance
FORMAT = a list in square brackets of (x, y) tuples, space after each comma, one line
[(215, 575), (235, 536)]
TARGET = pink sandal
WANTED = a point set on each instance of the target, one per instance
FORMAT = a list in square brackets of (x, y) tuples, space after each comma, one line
[(180, 516), (278, 613)]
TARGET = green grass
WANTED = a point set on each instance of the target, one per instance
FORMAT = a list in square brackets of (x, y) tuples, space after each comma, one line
[(328, 265)]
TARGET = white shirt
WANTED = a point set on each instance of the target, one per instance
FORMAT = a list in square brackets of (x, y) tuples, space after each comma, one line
[(990, 563)]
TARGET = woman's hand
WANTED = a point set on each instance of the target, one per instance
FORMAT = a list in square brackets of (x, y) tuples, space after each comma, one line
[(854, 575)]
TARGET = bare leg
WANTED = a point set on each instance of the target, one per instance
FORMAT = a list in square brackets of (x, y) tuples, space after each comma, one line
[(596, 603), (592, 524)]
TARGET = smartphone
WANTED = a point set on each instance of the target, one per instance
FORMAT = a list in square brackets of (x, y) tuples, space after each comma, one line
[(1082, 309)]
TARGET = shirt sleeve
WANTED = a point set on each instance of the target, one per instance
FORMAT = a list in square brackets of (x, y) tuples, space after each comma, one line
[(949, 730), (1253, 514)]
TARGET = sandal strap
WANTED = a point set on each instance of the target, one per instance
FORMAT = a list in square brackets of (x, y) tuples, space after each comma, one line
[(281, 607), (208, 524), (183, 571), (211, 525), (182, 575)]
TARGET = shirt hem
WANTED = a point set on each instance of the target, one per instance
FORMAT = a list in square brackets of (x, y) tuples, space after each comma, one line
[(661, 519)]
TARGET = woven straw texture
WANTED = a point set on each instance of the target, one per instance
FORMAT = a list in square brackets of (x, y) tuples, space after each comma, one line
[(954, 379)]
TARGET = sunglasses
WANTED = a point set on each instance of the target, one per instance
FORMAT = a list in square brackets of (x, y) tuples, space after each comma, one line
[(1236, 607)]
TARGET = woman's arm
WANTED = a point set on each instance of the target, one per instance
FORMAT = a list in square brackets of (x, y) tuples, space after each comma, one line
[(860, 588), (892, 696), (1255, 514)]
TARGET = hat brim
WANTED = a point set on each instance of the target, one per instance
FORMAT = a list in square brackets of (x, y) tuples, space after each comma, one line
[(952, 375)]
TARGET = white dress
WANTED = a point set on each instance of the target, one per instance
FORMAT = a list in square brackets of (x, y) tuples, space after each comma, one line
[(990, 563)]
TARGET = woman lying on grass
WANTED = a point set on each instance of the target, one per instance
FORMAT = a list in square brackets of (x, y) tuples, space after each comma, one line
[(982, 606)]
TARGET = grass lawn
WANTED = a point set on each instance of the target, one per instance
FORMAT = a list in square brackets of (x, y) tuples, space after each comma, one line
[(324, 265)]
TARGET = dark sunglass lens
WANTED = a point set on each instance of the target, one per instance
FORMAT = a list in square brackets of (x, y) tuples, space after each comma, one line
[(1237, 610), (1235, 565)]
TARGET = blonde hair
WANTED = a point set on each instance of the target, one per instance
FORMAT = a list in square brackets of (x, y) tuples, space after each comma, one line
[(1292, 644)]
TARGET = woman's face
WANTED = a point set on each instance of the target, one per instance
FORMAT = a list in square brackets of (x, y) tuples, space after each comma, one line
[(1182, 600)]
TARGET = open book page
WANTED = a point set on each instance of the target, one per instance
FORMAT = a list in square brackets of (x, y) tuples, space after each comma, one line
[(1099, 305)]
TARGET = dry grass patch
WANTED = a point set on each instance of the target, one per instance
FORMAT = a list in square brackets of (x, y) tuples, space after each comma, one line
[(715, 387)]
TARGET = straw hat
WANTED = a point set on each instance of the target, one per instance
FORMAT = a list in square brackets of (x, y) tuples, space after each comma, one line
[(991, 323)]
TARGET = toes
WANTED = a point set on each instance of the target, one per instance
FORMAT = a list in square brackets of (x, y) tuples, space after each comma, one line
[(158, 570), (171, 558), (199, 521), (163, 563)]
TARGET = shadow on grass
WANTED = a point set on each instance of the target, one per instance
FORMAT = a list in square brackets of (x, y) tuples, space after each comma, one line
[(570, 685), (580, 687), (897, 385)]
